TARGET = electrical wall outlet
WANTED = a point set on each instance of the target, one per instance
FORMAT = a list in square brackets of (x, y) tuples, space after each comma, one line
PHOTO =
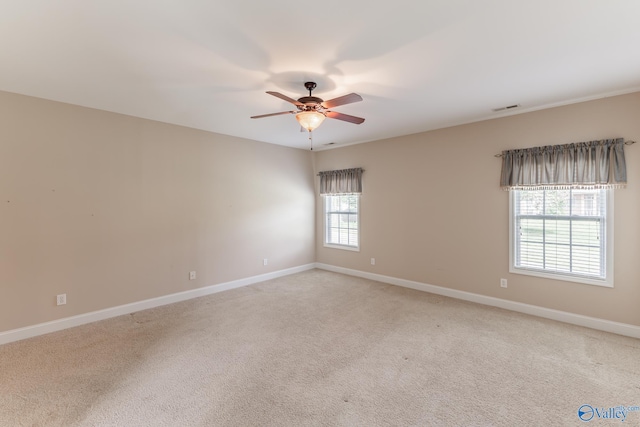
[(373, 261), (61, 299), (192, 275), (503, 283), (265, 261)]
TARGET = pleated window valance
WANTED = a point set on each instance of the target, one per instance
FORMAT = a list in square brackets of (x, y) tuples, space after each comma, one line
[(594, 164), (344, 181)]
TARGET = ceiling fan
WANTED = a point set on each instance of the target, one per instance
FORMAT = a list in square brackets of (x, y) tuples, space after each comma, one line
[(313, 110)]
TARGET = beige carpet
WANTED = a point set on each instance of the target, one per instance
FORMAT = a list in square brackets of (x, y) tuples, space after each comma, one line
[(319, 349)]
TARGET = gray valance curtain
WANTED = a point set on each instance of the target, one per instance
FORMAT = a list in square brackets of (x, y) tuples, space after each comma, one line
[(344, 181), (594, 164)]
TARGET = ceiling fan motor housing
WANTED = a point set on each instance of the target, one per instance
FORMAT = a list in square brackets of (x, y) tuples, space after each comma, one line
[(310, 101)]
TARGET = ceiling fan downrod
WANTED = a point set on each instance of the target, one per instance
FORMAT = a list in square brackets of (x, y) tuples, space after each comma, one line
[(310, 86)]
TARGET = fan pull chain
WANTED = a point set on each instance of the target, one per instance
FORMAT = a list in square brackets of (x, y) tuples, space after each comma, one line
[(311, 139)]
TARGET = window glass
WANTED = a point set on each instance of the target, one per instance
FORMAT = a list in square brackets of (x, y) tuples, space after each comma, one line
[(563, 233), (342, 228)]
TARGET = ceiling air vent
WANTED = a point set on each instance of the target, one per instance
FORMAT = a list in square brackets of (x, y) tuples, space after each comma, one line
[(508, 107)]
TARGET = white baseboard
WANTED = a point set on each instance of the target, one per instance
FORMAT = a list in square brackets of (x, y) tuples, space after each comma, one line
[(82, 319), (547, 313)]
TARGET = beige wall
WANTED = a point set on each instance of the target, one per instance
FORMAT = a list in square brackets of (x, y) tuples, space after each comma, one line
[(111, 209), (432, 210)]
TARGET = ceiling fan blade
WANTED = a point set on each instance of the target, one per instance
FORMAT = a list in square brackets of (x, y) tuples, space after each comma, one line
[(344, 117), (342, 100), (273, 114), (286, 98)]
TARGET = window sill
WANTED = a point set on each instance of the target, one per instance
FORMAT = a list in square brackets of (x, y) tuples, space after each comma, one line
[(343, 247), (607, 283)]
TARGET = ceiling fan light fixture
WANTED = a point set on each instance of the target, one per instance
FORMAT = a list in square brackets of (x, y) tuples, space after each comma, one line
[(310, 120)]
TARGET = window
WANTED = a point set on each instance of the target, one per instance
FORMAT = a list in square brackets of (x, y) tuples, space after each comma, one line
[(341, 221), (563, 234)]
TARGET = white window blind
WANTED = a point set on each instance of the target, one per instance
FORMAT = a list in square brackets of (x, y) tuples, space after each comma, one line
[(563, 232)]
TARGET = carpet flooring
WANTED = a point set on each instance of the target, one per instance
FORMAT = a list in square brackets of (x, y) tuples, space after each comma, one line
[(321, 349)]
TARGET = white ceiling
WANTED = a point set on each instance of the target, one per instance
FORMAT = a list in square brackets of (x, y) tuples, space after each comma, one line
[(419, 65)]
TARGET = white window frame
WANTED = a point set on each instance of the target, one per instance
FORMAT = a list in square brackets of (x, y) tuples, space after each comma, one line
[(326, 224), (571, 277)]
